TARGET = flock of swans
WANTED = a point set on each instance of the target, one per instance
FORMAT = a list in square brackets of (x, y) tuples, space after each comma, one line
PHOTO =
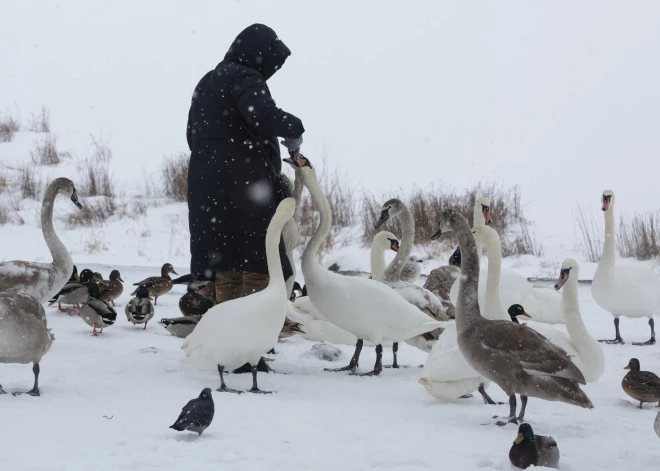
[(464, 316)]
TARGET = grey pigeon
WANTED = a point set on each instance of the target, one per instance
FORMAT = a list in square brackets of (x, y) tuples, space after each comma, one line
[(197, 415)]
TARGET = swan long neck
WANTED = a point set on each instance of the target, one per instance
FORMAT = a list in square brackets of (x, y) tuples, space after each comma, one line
[(309, 259), (570, 305), (607, 259), (467, 309), (393, 270), (275, 274), (377, 262), (297, 186), (57, 249), (493, 308)]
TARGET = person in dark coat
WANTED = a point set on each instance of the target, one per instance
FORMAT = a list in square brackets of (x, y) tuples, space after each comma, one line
[(233, 178)]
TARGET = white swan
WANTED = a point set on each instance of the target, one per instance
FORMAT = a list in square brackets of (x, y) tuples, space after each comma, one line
[(416, 295), (629, 291), (447, 375), (315, 325), (366, 308), (241, 330), (291, 234), (43, 280)]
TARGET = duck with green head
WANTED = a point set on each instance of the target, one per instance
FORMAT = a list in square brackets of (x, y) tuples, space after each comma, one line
[(533, 450), (74, 292), (97, 313)]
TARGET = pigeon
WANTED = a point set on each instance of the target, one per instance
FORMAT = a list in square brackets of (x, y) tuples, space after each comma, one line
[(197, 415)]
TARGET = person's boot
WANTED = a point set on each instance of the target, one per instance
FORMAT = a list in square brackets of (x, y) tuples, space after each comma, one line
[(253, 283), (228, 285)]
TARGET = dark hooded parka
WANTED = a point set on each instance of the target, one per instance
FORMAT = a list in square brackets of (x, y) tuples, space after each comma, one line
[(235, 157)]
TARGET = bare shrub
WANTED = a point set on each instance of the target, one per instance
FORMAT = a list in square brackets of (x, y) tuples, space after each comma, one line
[(138, 208), (341, 197), (45, 152), (8, 126), (92, 213), (40, 122), (588, 235), (95, 243), (4, 212), (28, 182), (175, 176), (95, 178), (102, 151), (4, 181), (427, 206), (637, 236)]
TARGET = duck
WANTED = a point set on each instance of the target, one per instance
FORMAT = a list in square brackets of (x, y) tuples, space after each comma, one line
[(290, 329), (411, 270), (24, 333), (656, 424), (112, 289), (441, 279), (643, 386), (158, 285), (241, 330), (366, 308), (193, 305), (74, 275), (43, 280), (418, 296), (97, 313), (74, 292), (629, 291), (515, 311), (139, 309), (533, 450), (515, 357)]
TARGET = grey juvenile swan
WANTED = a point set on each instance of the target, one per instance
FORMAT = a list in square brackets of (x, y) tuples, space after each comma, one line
[(43, 280), (515, 357), (24, 334)]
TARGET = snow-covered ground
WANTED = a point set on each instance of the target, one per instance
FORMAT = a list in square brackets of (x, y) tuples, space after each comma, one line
[(107, 403)]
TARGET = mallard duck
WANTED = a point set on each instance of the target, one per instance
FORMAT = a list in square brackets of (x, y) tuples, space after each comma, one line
[(24, 333), (139, 309), (515, 311), (290, 328), (74, 292), (656, 424), (180, 327), (112, 289), (96, 312), (533, 450), (643, 386), (197, 299), (97, 277), (43, 280), (158, 285), (74, 276)]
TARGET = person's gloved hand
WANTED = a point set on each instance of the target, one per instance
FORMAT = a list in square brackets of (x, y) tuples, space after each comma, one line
[(293, 145)]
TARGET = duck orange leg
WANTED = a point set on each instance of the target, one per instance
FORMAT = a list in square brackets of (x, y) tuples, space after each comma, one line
[(113, 302), (94, 332), (59, 308), (145, 325)]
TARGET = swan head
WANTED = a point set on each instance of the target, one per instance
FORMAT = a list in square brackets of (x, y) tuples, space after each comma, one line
[(482, 206), (569, 269), (301, 165), (390, 209), (607, 199), (455, 259), (633, 365), (287, 207), (450, 221), (517, 310), (385, 241), (66, 187)]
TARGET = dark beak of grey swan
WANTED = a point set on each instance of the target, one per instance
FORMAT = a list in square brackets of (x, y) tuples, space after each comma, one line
[(384, 216), (436, 234), (74, 198)]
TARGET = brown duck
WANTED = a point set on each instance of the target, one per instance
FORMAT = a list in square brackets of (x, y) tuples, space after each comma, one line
[(158, 285), (643, 386), (112, 289)]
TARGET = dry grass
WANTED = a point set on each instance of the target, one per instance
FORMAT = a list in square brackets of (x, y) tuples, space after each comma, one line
[(45, 151), (29, 184), (8, 126), (175, 176), (95, 178), (95, 243), (101, 152), (427, 206), (92, 213), (637, 236), (40, 122), (588, 235)]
